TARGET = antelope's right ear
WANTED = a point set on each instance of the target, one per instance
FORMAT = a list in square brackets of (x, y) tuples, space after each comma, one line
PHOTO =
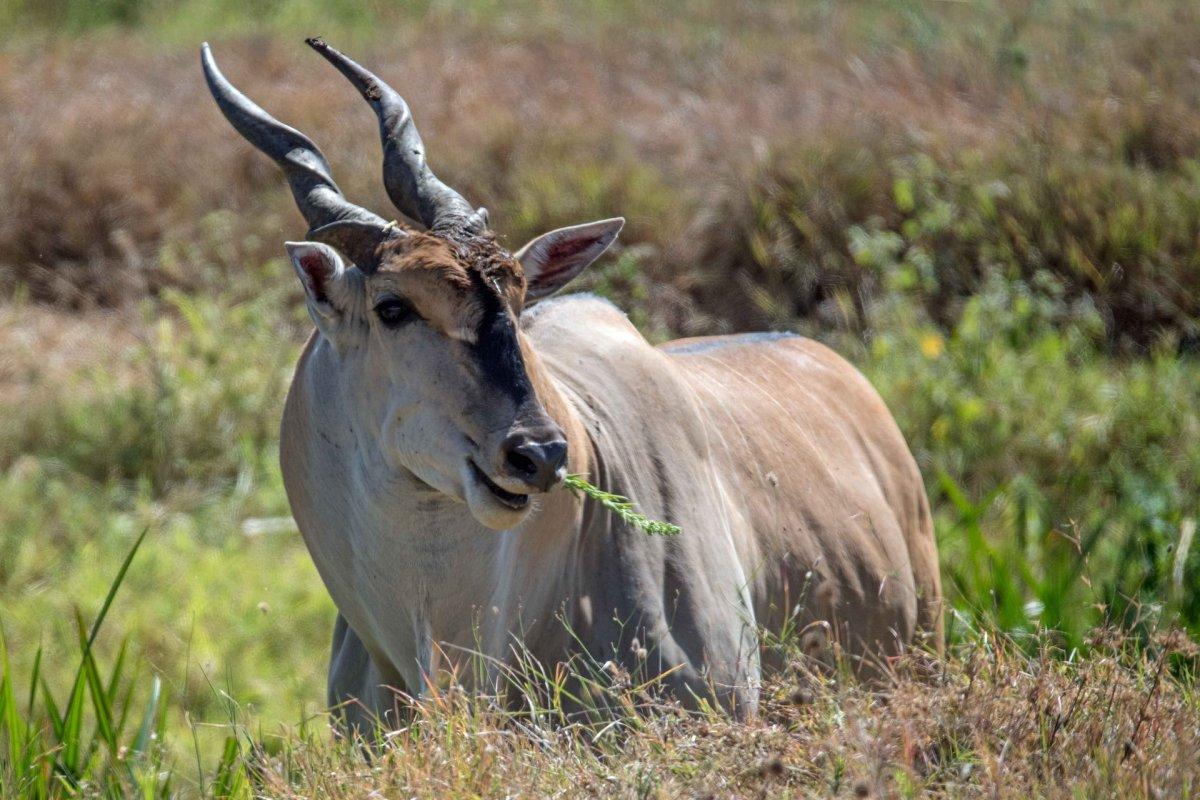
[(320, 269)]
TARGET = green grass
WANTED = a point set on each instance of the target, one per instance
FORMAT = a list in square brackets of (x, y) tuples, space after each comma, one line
[(1062, 479), (622, 507), (48, 749), (107, 733)]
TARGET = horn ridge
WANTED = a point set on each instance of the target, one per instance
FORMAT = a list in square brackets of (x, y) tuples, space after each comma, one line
[(304, 165), (410, 183)]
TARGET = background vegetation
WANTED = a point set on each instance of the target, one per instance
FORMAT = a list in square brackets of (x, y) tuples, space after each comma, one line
[(993, 208)]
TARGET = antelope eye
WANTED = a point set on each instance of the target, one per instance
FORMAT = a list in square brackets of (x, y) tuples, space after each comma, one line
[(393, 312)]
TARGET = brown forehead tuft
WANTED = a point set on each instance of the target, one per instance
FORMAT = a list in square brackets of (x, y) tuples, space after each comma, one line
[(492, 261), (425, 252), (454, 259)]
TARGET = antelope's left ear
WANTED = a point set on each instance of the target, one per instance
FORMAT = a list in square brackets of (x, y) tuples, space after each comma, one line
[(552, 260)]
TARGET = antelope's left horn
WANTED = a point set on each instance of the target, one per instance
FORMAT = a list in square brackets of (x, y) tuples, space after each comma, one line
[(331, 217)]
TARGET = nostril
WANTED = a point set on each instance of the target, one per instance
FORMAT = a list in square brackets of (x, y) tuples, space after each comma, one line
[(536, 461), (521, 463), (556, 454)]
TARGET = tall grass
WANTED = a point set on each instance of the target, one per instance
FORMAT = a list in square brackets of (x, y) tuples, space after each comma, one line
[(1061, 479), (103, 738), (996, 717)]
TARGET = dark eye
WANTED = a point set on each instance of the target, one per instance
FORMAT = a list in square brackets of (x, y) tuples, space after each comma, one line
[(393, 312)]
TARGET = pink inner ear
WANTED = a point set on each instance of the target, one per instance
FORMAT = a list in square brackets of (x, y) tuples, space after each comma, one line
[(562, 257), (568, 248), (316, 271)]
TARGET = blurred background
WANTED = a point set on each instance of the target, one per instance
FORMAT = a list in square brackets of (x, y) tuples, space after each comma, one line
[(992, 208)]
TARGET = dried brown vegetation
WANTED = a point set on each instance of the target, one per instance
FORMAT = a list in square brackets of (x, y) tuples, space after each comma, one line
[(990, 722), (1026, 141)]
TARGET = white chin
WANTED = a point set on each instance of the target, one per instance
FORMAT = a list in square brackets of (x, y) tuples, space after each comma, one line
[(490, 512), (488, 509)]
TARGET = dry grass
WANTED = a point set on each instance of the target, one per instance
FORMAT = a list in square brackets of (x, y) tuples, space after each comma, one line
[(41, 349), (749, 140), (990, 722)]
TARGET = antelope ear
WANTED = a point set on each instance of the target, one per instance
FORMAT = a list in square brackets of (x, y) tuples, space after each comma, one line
[(554, 259), (320, 269)]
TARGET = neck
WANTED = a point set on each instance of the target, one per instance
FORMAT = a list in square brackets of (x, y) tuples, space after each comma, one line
[(409, 570)]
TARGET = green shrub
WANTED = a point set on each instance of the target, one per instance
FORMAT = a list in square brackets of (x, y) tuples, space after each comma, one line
[(1061, 477), (826, 233)]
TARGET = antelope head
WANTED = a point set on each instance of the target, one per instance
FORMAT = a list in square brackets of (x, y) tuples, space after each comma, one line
[(431, 371)]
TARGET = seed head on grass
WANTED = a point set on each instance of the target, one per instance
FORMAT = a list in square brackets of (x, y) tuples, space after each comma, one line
[(621, 506)]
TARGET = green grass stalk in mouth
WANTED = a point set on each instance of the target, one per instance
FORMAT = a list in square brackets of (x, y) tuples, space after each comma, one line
[(621, 506)]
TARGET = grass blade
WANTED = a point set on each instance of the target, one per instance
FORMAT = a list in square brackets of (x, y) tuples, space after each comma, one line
[(100, 705), (621, 506), (228, 780), (33, 681), (117, 671), (72, 730), (116, 584), (51, 708), (125, 703), (146, 730), (14, 728)]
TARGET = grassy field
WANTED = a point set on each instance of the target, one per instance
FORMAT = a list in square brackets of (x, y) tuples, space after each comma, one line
[(992, 208)]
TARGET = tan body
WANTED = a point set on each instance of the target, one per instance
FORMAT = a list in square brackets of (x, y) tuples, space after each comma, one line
[(795, 490)]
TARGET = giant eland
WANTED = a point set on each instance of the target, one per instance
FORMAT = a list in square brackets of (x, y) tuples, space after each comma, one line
[(444, 396)]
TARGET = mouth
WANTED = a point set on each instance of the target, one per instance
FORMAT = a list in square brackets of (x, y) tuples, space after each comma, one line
[(517, 502)]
